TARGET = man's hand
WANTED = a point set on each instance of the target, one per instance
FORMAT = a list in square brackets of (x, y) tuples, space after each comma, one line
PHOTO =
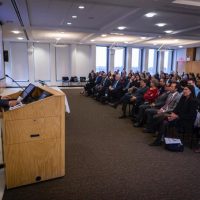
[(133, 98), (172, 117), (12, 103)]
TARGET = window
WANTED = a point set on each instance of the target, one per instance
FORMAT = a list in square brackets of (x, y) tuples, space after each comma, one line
[(101, 59), (135, 65), (167, 61), (151, 61), (119, 59)]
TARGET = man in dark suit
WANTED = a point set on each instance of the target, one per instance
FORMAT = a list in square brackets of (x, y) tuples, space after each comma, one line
[(136, 97), (115, 91)]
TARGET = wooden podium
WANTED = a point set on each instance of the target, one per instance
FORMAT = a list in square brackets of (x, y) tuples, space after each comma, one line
[(34, 139)]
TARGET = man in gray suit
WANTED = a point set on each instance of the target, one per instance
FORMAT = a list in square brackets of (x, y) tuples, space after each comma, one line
[(155, 116)]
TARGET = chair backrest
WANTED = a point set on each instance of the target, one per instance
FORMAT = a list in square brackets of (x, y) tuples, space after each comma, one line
[(82, 79), (74, 79), (65, 78)]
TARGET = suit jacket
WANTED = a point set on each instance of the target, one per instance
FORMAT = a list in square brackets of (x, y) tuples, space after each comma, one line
[(139, 94), (4, 103), (160, 101), (186, 110), (171, 102)]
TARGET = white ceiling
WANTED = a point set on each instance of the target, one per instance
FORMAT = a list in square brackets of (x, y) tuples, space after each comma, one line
[(46, 21)]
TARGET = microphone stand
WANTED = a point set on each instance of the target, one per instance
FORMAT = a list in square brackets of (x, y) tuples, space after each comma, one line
[(14, 81)]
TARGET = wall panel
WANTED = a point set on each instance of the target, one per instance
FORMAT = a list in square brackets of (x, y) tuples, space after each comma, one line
[(19, 61), (42, 62)]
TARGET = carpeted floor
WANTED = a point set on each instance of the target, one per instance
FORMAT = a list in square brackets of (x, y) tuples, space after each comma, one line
[(108, 159)]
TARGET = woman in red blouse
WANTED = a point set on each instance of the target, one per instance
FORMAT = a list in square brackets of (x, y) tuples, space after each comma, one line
[(152, 93)]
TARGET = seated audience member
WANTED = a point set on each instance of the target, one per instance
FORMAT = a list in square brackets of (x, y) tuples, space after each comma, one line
[(133, 97), (115, 91), (157, 115), (152, 93), (90, 84), (106, 82), (5, 102), (196, 89), (162, 86), (182, 117), (154, 106), (129, 83)]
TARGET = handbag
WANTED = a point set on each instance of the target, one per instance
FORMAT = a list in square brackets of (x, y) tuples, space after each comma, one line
[(173, 144)]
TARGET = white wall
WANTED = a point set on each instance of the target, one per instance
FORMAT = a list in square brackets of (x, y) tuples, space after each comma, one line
[(30, 62)]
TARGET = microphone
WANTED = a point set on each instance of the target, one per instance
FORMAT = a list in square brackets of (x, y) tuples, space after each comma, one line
[(42, 82), (6, 75)]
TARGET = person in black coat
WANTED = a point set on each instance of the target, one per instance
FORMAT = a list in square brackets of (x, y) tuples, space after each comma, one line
[(182, 117)]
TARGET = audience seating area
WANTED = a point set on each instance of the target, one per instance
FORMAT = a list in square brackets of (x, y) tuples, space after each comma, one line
[(164, 105)]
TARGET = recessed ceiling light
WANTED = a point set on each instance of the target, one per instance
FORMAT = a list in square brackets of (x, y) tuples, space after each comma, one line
[(121, 27), (92, 40), (161, 24), (142, 38), (57, 38), (151, 14), (180, 46), (154, 44), (20, 38), (117, 33), (81, 7), (126, 42), (69, 23), (103, 35), (176, 40), (15, 32), (74, 17), (168, 31)]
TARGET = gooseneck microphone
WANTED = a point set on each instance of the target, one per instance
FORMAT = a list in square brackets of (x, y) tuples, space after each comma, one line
[(6, 75)]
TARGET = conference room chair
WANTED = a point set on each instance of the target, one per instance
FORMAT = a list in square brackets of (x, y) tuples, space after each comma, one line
[(65, 81)]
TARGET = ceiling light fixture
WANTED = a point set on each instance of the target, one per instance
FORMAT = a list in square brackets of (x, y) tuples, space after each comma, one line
[(74, 17), (121, 27), (69, 23), (151, 14), (20, 38), (180, 46), (81, 7), (15, 32), (168, 31), (103, 35), (92, 40), (143, 38), (57, 38), (161, 24), (117, 33)]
